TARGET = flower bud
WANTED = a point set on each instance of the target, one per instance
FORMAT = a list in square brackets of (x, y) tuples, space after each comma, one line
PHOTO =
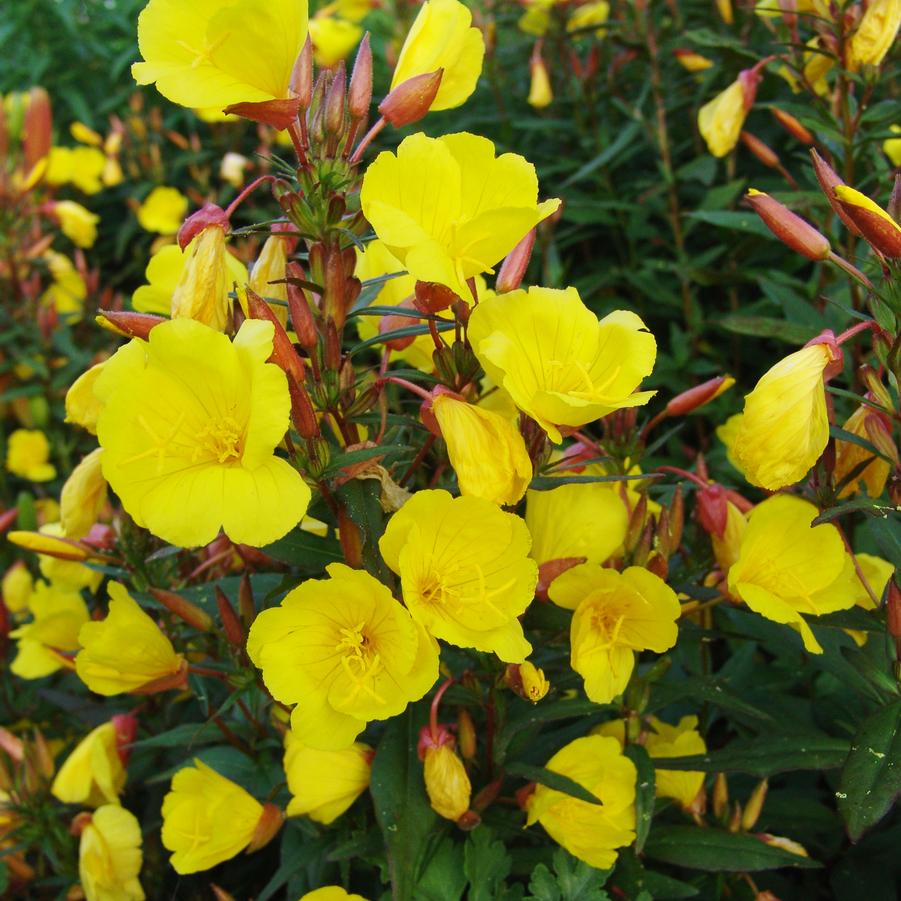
[(183, 609), (334, 103), (792, 125), (873, 222), (283, 353), (829, 180), (231, 625), (691, 61), (712, 510), (37, 132), (60, 548), (359, 93), (513, 269), (765, 154), (394, 321), (271, 820), (130, 325), (696, 397), (126, 727), (430, 297), (246, 604), (720, 795), (302, 319), (446, 782), (466, 734), (754, 806), (208, 215), (302, 75), (527, 680), (540, 92), (788, 227), (411, 99)]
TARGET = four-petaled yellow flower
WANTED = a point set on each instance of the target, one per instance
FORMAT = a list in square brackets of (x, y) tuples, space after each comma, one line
[(442, 37), (465, 570), (787, 567), (163, 210), (560, 364), (127, 651), (346, 652), (616, 614), (189, 424), (448, 209), (27, 455), (324, 784), (93, 774), (591, 832), (110, 857)]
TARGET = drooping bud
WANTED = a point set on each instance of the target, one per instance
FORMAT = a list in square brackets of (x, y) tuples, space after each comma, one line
[(540, 92), (513, 269), (696, 397), (359, 93), (411, 99), (183, 609), (526, 680), (873, 222), (202, 290), (131, 325), (788, 227), (829, 180), (208, 215), (283, 353), (446, 782), (792, 125), (302, 76)]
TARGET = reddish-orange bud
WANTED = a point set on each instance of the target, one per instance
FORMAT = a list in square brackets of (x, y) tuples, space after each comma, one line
[(394, 321), (874, 224), (513, 269), (693, 398), (303, 417), (333, 113), (126, 727), (183, 609), (788, 227), (277, 113), (246, 604), (430, 297), (359, 93), (131, 325), (302, 75), (713, 510), (765, 154), (792, 125), (550, 569), (302, 318), (37, 132), (271, 820), (411, 99), (283, 353), (231, 625), (829, 180)]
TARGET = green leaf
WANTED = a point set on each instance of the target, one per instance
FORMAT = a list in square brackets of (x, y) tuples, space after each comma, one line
[(546, 712), (187, 736), (572, 880), (306, 550), (871, 778), (767, 754), (548, 483), (713, 691), (486, 864), (402, 807), (644, 793), (766, 327), (556, 781), (443, 878), (746, 222), (718, 851), (362, 500), (860, 505)]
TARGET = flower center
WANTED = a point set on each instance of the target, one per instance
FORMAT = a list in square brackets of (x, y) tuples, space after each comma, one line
[(607, 624), (220, 439), (360, 661), (456, 588)]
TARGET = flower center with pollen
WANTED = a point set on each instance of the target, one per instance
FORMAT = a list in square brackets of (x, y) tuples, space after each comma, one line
[(360, 661), (220, 440)]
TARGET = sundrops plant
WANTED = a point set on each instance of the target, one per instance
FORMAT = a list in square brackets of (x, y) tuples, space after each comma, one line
[(395, 545)]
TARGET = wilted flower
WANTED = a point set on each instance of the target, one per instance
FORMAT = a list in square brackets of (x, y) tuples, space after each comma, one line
[(267, 277), (188, 428), (83, 496), (94, 773), (127, 651), (202, 290), (483, 206), (785, 427), (109, 856), (163, 210), (346, 652), (446, 781), (27, 455), (442, 37), (560, 364), (875, 34), (616, 614), (720, 120), (324, 784), (464, 570), (850, 456), (79, 225), (486, 450), (591, 832), (787, 567)]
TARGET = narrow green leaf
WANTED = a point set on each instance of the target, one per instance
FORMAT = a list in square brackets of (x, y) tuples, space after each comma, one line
[(548, 483), (556, 781), (644, 793)]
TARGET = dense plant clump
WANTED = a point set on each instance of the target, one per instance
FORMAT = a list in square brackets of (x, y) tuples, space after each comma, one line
[(450, 450)]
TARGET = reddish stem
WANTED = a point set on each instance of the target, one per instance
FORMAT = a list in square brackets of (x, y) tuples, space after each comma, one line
[(367, 139), (416, 389), (246, 193), (856, 330), (433, 710)]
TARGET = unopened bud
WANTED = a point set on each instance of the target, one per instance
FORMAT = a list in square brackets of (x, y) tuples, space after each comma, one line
[(734, 824), (411, 99), (466, 734), (61, 548), (302, 75), (636, 522), (677, 518), (359, 93), (183, 609), (550, 569), (446, 782), (130, 325), (302, 319), (526, 680), (246, 605), (303, 416), (873, 222), (765, 154), (334, 103), (513, 269), (231, 625), (713, 510), (792, 125), (126, 727), (720, 795), (829, 181), (394, 321), (80, 822), (788, 227), (283, 353), (43, 757), (37, 132), (879, 431), (696, 397), (875, 386), (754, 806)]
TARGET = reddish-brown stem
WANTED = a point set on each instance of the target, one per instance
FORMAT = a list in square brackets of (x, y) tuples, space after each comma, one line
[(685, 475), (246, 193), (416, 389), (869, 324), (297, 141), (852, 270), (417, 461), (433, 710), (367, 139)]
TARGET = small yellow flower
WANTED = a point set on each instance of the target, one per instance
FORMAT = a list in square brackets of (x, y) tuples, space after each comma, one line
[(442, 37), (891, 147), (464, 570), (561, 365), (163, 210), (333, 39), (233, 168), (541, 93), (324, 784), (875, 34), (78, 224), (16, 588), (110, 857), (726, 547), (849, 456), (67, 290), (693, 62), (80, 166), (446, 782), (27, 456), (616, 614), (206, 819), (591, 832), (82, 405), (588, 15), (720, 121), (83, 496), (486, 450), (93, 774), (448, 208), (331, 893), (189, 425), (59, 613), (85, 135), (126, 651), (786, 567), (346, 652), (534, 684), (216, 54)]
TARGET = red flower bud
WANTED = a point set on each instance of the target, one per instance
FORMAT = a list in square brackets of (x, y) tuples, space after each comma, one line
[(713, 510), (788, 227), (701, 394), (209, 214), (359, 94), (828, 179), (132, 325), (792, 125), (125, 726), (283, 353), (277, 113), (765, 154), (513, 269), (231, 625), (302, 75), (411, 99)]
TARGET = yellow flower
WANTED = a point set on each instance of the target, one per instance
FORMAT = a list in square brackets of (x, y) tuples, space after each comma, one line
[(786, 567), (82, 406), (693, 62), (589, 14), (720, 121), (541, 94), (728, 433), (591, 832), (333, 39), (875, 34), (16, 588), (67, 290), (331, 893), (849, 456), (578, 520), (442, 37), (486, 450), (726, 547), (534, 684), (346, 652), (27, 453), (616, 614), (80, 166), (891, 147), (537, 18), (85, 135), (70, 573), (464, 570), (268, 274), (446, 782), (93, 774), (109, 856), (877, 572), (216, 53), (164, 272), (163, 211), (202, 290), (324, 784), (78, 224), (724, 7), (188, 428), (59, 612), (560, 364), (232, 168), (83, 496), (448, 209), (785, 427), (126, 651), (206, 819)]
